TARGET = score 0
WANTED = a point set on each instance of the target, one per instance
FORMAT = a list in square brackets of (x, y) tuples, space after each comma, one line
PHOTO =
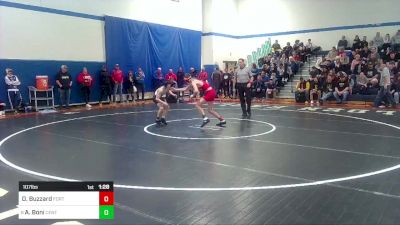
[(106, 202)]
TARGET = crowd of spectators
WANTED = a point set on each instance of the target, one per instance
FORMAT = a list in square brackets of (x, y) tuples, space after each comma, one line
[(363, 68)]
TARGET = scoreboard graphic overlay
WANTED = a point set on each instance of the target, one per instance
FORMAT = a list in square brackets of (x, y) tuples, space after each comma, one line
[(66, 200)]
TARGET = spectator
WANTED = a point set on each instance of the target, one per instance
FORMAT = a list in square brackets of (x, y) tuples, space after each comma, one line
[(302, 52), (384, 87), (392, 57), (374, 56), (396, 89), (226, 83), (267, 60), (272, 72), (328, 89), (171, 75), (130, 86), (105, 84), (364, 42), (193, 72), (203, 75), (315, 90), (276, 46), (294, 67), (64, 83), (254, 71), (332, 54), (378, 40), (338, 65), (365, 53), (345, 61), (13, 93), (287, 50), (357, 43), (181, 80), (259, 88), (309, 46), (140, 78), (234, 87), (372, 44), (296, 58), (296, 45), (362, 84), (302, 90), (216, 77), (277, 78), (356, 65), (265, 68), (314, 71), (271, 89), (393, 71), (396, 41), (86, 81), (387, 41), (342, 89), (371, 73), (117, 77), (158, 78), (342, 43)]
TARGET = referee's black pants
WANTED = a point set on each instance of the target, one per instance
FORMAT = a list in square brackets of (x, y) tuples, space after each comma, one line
[(245, 98)]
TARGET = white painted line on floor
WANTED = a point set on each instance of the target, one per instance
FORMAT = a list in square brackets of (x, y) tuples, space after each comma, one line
[(9, 213), (146, 129), (68, 223), (70, 113), (206, 128), (160, 188), (3, 192)]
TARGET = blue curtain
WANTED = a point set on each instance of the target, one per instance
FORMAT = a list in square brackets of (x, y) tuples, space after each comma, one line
[(134, 44)]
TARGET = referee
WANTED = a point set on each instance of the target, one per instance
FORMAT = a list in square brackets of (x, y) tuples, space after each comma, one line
[(244, 80)]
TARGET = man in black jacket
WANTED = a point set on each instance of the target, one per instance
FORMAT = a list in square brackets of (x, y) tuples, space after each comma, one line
[(105, 84), (64, 83)]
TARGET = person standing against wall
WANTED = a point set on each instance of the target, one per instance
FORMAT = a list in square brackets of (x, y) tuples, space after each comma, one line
[(13, 93), (140, 76), (171, 75), (118, 78), (181, 81), (86, 82), (226, 82), (244, 80), (216, 80), (64, 83), (105, 84)]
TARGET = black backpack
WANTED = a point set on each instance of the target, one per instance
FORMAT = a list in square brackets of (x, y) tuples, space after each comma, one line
[(300, 97)]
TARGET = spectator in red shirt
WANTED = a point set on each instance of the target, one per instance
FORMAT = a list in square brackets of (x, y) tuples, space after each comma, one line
[(86, 81), (171, 75), (203, 75), (117, 77)]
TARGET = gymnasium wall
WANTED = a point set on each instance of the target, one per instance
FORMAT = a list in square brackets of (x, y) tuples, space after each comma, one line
[(38, 36)]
